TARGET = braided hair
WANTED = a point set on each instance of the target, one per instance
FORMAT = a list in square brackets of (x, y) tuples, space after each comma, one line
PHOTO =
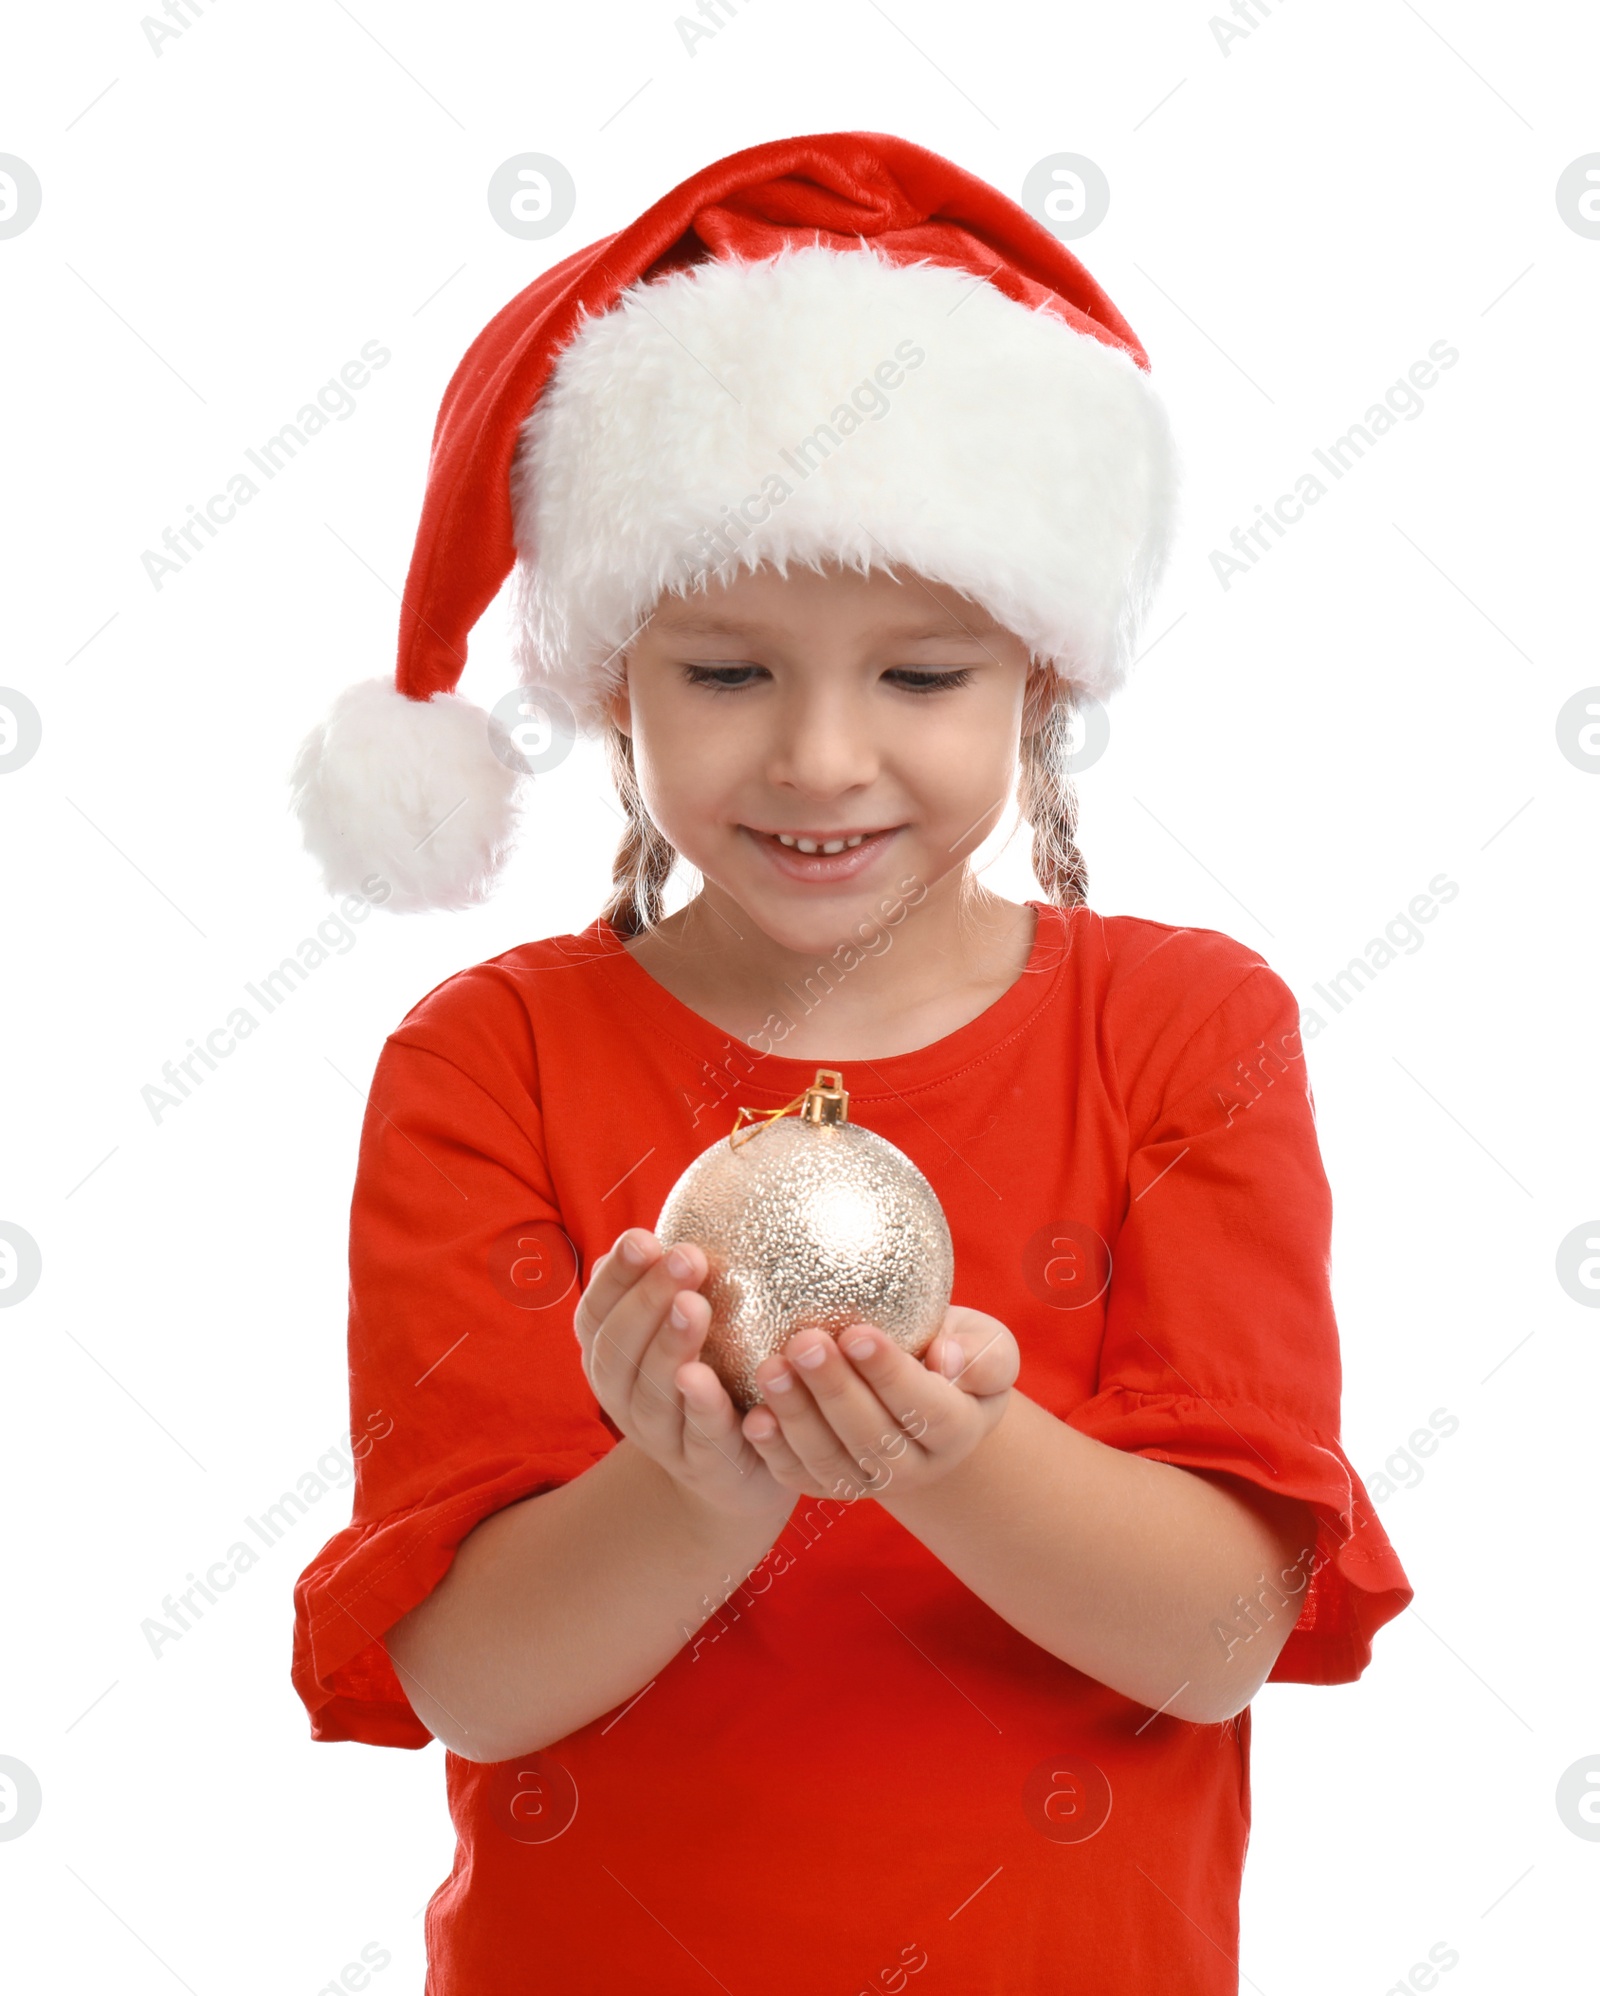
[(645, 857), (1049, 803)]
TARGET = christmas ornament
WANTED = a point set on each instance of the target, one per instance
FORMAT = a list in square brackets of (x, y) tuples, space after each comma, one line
[(809, 1222)]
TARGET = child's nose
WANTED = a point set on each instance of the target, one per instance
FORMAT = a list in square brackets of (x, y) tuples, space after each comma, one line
[(823, 747)]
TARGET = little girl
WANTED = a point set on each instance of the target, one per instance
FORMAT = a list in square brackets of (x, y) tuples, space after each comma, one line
[(832, 482)]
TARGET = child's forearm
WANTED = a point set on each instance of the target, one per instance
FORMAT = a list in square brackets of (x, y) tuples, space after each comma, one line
[(1134, 1572), (566, 1604)]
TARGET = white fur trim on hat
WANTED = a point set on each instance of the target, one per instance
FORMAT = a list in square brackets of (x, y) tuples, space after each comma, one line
[(408, 790), (832, 405)]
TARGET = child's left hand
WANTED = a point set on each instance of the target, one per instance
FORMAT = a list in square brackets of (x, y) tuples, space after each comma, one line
[(849, 1425)]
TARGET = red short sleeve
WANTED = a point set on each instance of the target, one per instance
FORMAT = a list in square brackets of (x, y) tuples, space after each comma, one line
[(1221, 1350), (467, 1390)]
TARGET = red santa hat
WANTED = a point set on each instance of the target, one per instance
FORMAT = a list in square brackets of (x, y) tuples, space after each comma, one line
[(837, 348)]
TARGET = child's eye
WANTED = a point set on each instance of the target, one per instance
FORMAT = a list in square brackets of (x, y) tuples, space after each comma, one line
[(912, 681), (731, 678), (720, 678)]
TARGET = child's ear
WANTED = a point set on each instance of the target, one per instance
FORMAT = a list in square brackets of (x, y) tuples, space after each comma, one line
[(620, 706)]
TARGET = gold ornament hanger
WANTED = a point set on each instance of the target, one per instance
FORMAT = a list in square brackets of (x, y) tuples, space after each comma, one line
[(825, 1101)]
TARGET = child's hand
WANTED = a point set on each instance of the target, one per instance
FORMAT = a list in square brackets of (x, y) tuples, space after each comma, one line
[(848, 1426), (646, 1373)]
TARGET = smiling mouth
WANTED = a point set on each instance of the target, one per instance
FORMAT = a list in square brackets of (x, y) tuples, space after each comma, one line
[(827, 852), (824, 842)]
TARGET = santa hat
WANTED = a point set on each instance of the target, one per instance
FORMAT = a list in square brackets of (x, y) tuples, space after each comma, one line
[(837, 348)]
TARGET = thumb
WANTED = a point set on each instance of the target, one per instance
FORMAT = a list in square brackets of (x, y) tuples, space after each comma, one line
[(975, 1352)]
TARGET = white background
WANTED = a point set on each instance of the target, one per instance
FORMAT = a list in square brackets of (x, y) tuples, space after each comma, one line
[(1293, 223)]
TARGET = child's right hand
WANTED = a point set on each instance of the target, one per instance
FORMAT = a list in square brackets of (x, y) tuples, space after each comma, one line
[(647, 1374)]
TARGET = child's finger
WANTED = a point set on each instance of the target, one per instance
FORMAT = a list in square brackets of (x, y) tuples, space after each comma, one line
[(622, 1339), (834, 1421), (975, 1352), (711, 1422), (761, 1430), (657, 1403), (614, 1274)]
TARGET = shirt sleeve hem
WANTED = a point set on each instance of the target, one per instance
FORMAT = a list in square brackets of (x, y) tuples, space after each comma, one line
[(369, 1576), (369, 1723)]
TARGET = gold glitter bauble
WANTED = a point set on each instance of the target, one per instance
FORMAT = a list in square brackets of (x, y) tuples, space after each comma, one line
[(809, 1222)]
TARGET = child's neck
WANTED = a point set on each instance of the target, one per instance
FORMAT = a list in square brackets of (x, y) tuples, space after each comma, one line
[(934, 971)]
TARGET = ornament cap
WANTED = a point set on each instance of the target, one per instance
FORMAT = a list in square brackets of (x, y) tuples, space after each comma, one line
[(826, 1100)]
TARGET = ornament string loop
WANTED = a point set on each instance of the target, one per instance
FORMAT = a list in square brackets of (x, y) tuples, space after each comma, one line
[(825, 1101)]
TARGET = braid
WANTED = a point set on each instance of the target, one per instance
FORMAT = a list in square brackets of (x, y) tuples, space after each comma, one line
[(1047, 800), (645, 858)]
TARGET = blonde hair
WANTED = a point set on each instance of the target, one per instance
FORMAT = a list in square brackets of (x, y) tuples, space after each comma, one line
[(1046, 801)]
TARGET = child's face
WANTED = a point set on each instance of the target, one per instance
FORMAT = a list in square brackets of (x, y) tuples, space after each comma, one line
[(824, 706)]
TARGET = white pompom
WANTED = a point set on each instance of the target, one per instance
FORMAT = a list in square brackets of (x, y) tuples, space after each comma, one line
[(409, 790)]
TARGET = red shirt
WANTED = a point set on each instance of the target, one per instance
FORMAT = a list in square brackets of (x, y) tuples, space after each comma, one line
[(857, 1776)]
